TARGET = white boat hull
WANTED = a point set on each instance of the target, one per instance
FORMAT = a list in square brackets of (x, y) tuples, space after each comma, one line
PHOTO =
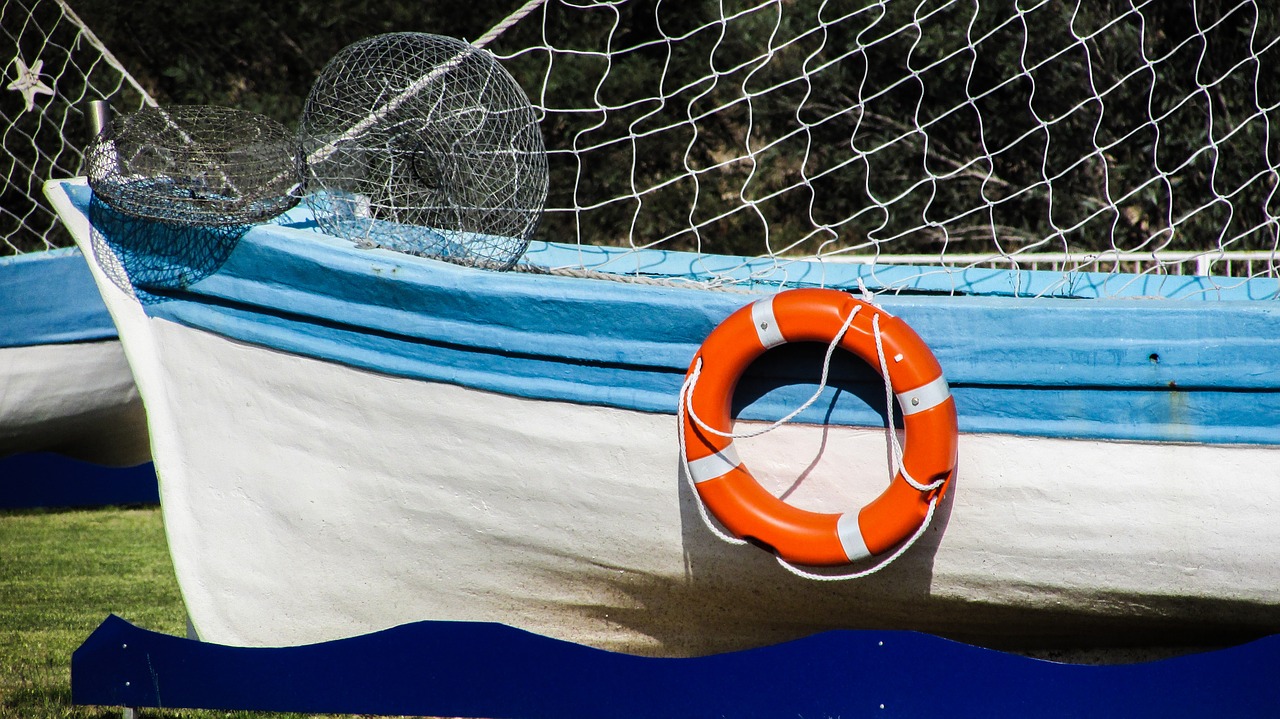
[(76, 399), (308, 500), (336, 502)]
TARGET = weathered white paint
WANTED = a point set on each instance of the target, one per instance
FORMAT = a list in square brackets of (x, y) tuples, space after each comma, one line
[(77, 399), (306, 500)]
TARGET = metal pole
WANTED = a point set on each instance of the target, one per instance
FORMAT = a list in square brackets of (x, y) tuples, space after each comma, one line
[(99, 116)]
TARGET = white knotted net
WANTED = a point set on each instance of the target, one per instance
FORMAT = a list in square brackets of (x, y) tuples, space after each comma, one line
[(1119, 136), (54, 67), (1113, 136)]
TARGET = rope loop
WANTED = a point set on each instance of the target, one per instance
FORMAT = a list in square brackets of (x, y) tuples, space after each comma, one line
[(686, 390)]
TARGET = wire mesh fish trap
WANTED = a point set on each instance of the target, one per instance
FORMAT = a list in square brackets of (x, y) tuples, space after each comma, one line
[(424, 144), (196, 165), (174, 190), (148, 259)]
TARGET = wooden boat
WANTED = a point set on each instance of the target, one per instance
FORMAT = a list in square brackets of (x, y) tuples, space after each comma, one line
[(67, 387), (350, 439)]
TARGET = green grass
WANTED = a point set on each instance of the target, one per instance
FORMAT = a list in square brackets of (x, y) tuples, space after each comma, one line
[(61, 574)]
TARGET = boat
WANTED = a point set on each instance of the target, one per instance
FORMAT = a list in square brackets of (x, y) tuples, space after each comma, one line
[(632, 442), (72, 426), (73, 432), (67, 386), (349, 439)]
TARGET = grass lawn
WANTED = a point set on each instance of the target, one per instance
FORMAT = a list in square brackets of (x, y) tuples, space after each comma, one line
[(61, 574)]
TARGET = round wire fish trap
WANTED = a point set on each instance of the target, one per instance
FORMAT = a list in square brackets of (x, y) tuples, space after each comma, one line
[(424, 144), (175, 189), (196, 165)]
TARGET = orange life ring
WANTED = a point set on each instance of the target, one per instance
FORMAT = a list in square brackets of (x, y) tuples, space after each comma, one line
[(734, 496)]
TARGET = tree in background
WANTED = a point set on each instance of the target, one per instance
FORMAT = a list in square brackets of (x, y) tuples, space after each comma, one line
[(973, 127), (258, 56)]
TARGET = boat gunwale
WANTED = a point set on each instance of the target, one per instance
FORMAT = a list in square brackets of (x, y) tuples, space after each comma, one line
[(1116, 369)]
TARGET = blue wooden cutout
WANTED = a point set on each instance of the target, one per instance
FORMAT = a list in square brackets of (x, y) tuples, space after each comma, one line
[(47, 479), (469, 669)]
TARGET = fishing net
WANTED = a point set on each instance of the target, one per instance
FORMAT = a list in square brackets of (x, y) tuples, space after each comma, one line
[(424, 144), (1129, 137), (53, 67), (176, 188)]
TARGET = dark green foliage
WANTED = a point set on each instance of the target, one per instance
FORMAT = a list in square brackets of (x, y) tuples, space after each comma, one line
[(257, 56), (970, 127), (977, 127)]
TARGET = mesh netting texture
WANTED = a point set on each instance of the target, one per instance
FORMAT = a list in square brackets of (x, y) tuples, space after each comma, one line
[(196, 165), (147, 258), (424, 144), (1036, 135), (175, 189), (53, 68)]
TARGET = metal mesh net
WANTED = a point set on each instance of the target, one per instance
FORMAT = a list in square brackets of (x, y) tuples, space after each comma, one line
[(147, 259), (424, 144), (176, 188), (195, 165)]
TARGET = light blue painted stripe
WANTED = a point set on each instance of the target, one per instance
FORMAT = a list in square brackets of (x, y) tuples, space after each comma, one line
[(1036, 342), (767, 274), (49, 298), (1112, 369), (1085, 412)]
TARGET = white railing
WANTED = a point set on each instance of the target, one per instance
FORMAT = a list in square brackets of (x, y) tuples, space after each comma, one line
[(1239, 263)]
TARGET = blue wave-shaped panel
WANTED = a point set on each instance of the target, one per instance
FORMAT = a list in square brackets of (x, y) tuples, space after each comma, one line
[(472, 669), (48, 479)]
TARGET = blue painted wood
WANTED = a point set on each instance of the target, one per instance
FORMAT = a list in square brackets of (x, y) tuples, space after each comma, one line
[(46, 479), (50, 298), (489, 670), (1114, 369)]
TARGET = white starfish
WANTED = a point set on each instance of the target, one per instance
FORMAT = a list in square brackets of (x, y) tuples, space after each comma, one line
[(28, 82)]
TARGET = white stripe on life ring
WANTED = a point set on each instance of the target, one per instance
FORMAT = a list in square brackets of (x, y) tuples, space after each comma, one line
[(766, 324), (925, 396), (714, 465), (855, 547)]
